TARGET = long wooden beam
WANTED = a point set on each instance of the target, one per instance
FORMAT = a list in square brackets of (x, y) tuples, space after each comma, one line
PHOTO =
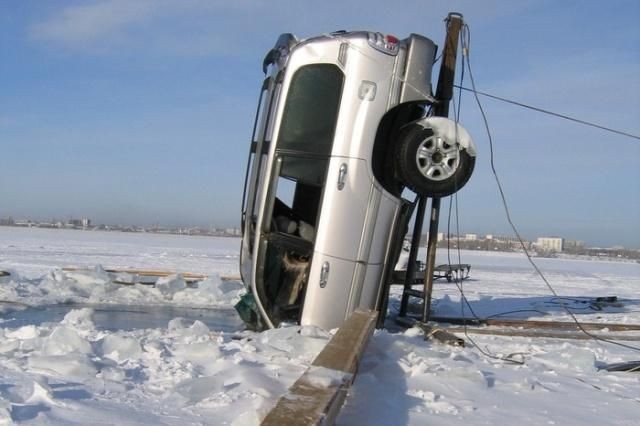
[(565, 325), (317, 396), (161, 273), (558, 334)]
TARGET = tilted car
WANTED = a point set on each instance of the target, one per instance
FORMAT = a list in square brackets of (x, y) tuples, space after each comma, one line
[(343, 127)]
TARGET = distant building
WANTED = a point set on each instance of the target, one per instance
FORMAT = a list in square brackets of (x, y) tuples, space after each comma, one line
[(7, 221), (232, 231), (470, 237), (550, 244), (573, 245), (74, 223), (505, 239)]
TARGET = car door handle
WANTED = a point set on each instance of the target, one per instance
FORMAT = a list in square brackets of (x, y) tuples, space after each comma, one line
[(342, 176), (324, 274)]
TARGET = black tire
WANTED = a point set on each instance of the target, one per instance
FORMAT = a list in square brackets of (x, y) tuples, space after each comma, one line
[(440, 171)]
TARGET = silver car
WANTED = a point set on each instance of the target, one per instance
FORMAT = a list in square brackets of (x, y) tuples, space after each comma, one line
[(343, 128)]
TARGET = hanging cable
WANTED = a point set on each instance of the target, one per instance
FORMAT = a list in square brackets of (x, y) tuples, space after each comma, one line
[(466, 40), (456, 116), (545, 111), (514, 358)]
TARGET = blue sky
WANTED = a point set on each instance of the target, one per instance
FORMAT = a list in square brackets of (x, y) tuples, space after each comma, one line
[(140, 111)]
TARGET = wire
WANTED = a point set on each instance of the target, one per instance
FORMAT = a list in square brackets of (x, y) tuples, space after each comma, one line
[(466, 40), (587, 303), (511, 358), (463, 297), (486, 352), (516, 311), (456, 114), (555, 114)]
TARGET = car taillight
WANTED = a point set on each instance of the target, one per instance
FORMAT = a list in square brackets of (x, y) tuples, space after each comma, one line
[(387, 44)]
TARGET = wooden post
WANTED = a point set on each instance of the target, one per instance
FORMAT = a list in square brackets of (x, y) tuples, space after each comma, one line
[(444, 94), (413, 255), (431, 258)]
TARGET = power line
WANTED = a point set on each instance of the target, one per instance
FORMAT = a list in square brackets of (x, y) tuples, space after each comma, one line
[(544, 111)]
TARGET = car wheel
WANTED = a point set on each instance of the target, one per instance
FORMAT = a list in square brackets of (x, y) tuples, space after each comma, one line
[(429, 164)]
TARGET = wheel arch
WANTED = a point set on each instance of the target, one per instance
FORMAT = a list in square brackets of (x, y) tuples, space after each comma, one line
[(382, 156)]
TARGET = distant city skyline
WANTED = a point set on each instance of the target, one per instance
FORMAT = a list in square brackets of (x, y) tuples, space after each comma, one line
[(141, 112), (91, 223)]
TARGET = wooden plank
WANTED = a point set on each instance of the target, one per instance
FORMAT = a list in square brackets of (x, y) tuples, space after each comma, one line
[(515, 332), (230, 278), (537, 324), (160, 273), (344, 350), (147, 272), (317, 396), (630, 366)]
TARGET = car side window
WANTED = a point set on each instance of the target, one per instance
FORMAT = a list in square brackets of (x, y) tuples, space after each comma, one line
[(311, 110)]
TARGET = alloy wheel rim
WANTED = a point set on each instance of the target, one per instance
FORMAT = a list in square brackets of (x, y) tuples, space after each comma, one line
[(437, 159)]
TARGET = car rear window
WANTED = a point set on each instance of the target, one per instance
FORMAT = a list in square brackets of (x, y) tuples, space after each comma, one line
[(311, 110)]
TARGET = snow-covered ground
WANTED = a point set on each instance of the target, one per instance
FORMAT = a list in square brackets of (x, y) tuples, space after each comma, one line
[(34, 252), (75, 348)]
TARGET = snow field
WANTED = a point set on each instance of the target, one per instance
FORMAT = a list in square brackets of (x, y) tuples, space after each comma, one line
[(33, 252), (73, 370), (404, 380)]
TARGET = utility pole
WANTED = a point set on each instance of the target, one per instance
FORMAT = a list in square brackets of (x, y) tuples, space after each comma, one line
[(444, 94)]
